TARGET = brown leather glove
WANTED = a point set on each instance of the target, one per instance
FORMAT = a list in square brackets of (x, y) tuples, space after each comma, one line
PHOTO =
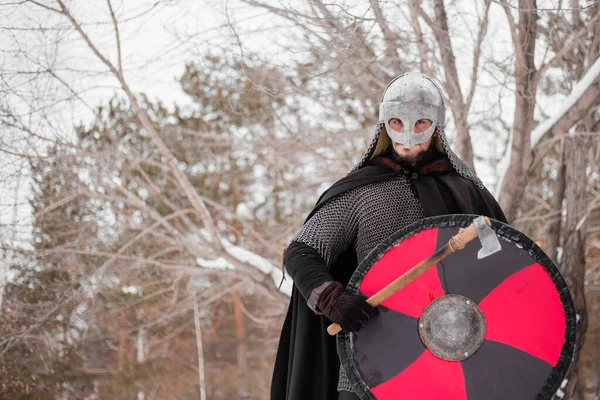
[(350, 311)]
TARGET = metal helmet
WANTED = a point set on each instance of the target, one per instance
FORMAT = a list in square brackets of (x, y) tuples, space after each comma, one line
[(411, 97)]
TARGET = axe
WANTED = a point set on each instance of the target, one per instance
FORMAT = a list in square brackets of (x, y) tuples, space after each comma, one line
[(479, 228)]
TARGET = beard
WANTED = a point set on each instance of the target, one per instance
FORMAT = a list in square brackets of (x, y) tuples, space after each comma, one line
[(415, 161)]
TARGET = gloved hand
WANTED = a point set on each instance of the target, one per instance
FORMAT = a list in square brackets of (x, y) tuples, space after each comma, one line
[(351, 311)]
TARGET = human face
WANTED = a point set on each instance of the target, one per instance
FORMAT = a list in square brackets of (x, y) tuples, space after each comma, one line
[(413, 154)]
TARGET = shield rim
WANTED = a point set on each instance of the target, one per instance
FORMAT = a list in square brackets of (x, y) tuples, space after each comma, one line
[(345, 341)]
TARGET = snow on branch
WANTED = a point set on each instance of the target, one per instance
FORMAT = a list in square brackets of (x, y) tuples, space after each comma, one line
[(538, 133), (578, 90), (250, 258)]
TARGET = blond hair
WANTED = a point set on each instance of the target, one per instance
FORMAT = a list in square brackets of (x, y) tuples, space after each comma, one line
[(384, 143)]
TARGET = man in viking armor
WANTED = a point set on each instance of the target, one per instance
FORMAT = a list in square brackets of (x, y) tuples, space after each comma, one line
[(407, 173)]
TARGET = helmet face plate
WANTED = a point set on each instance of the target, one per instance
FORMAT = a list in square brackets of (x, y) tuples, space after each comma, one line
[(411, 97), (409, 113)]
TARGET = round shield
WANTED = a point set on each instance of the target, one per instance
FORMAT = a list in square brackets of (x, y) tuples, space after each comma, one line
[(469, 328)]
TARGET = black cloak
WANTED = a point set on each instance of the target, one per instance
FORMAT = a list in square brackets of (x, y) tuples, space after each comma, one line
[(307, 364)]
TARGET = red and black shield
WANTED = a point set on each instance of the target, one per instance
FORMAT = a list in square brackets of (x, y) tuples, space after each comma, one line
[(501, 327)]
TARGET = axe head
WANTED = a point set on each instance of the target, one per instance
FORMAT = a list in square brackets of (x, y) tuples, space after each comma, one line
[(488, 238)]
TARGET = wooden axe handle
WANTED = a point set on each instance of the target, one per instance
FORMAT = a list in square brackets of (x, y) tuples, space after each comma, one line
[(457, 242)]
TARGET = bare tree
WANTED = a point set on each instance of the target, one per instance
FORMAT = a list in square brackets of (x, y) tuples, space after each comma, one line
[(458, 104), (153, 225), (149, 196), (527, 78)]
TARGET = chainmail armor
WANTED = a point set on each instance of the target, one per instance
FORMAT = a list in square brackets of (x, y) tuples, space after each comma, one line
[(371, 149), (364, 216), (367, 215), (458, 164)]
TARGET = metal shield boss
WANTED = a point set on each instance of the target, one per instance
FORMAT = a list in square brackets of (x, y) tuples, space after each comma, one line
[(469, 328)]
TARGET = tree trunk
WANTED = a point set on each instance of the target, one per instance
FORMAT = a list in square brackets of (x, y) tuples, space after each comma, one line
[(558, 195), (573, 261), (463, 139), (423, 48), (526, 84), (392, 39), (123, 328), (201, 383), (240, 333)]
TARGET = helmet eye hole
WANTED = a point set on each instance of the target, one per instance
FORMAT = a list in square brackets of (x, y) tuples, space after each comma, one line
[(420, 126), (396, 124)]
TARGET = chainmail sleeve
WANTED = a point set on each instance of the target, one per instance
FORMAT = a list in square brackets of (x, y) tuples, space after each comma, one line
[(332, 228), (319, 242)]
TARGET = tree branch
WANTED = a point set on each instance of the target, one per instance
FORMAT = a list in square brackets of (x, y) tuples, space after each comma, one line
[(477, 54), (567, 48), (391, 38), (65, 11), (37, 3), (513, 32), (116, 26), (423, 47)]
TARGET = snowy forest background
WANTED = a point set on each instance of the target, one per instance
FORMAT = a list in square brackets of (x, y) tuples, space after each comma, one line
[(157, 157)]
